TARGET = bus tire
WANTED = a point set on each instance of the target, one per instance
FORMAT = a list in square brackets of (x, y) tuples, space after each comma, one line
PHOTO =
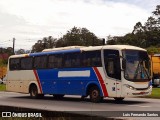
[(33, 91), (119, 99), (40, 96), (94, 94)]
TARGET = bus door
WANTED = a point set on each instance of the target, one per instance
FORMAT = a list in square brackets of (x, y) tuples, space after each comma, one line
[(113, 72)]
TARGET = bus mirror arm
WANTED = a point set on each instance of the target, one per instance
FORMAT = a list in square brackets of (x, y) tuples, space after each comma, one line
[(122, 69), (123, 64)]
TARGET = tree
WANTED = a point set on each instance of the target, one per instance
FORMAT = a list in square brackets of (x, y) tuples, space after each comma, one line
[(157, 11), (46, 42), (151, 24), (138, 28), (153, 50), (80, 37), (143, 35), (20, 51), (49, 42), (7, 50), (37, 47)]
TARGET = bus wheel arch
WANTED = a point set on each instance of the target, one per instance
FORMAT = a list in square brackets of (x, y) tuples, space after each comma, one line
[(33, 91), (94, 93)]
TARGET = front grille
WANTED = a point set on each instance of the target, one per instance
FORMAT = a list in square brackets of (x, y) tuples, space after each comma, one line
[(141, 93), (142, 88)]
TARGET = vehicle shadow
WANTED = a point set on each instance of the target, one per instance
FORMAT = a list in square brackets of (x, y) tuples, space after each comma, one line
[(87, 100)]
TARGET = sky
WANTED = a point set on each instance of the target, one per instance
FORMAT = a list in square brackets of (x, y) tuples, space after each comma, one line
[(30, 20)]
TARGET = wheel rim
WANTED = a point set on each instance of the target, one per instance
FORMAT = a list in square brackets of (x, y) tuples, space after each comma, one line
[(94, 94), (33, 92)]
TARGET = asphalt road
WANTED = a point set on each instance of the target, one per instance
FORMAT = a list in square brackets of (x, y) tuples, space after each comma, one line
[(75, 104)]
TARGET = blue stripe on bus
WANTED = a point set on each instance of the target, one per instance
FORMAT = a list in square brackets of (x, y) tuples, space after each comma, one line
[(55, 52), (52, 84)]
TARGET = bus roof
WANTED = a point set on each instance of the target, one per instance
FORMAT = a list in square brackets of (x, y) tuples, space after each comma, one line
[(17, 56), (55, 52), (62, 48), (78, 49), (90, 48), (121, 47), (115, 47)]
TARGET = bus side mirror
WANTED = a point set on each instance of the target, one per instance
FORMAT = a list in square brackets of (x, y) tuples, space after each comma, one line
[(124, 64)]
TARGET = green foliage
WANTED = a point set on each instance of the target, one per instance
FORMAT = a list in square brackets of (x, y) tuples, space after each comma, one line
[(78, 36), (153, 50), (143, 36), (4, 54), (155, 93), (46, 42), (8, 51), (2, 87), (20, 51), (3, 63), (74, 37)]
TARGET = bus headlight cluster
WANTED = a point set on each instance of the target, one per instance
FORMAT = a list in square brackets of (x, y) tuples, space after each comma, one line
[(129, 86)]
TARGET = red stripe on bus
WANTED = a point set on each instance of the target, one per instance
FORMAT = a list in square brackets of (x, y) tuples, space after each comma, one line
[(101, 81), (37, 78)]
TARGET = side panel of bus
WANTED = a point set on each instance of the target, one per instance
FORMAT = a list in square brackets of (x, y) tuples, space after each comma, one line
[(18, 81), (112, 70), (71, 81)]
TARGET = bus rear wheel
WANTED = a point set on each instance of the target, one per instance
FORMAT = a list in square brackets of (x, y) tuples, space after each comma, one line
[(34, 92), (94, 94)]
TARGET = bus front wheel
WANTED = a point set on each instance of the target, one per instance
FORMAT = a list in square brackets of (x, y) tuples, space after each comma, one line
[(118, 99), (94, 94)]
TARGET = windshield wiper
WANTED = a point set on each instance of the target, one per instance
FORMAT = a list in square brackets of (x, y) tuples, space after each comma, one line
[(136, 72), (141, 69)]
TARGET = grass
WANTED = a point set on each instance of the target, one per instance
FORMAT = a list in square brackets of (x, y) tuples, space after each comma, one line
[(155, 93), (2, 87)]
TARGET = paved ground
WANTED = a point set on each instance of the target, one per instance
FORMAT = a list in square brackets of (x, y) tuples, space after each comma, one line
[(75, 104)]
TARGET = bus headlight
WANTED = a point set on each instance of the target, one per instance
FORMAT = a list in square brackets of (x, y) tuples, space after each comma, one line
[(129, 86)]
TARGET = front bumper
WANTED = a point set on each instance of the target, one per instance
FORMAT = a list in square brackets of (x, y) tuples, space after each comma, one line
[(130, 93)]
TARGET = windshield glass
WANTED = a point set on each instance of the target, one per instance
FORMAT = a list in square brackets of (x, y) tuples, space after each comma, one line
[(137, 65)]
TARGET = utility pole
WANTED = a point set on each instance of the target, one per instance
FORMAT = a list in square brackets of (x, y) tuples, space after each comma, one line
[(13, 44), (103, 41)]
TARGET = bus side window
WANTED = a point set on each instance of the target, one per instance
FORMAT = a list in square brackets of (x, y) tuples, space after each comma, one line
[(40, 62), (26, 63), (75, 60), (72, 60), (67, 60), (91, 59), (51, 61), (86, 62), (14, 64), (55, 61)]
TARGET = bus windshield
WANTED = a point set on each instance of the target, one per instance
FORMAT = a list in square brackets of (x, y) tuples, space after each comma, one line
[(137, 65)]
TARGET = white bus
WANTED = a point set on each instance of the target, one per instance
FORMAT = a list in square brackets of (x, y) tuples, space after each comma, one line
[(116, 71)]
